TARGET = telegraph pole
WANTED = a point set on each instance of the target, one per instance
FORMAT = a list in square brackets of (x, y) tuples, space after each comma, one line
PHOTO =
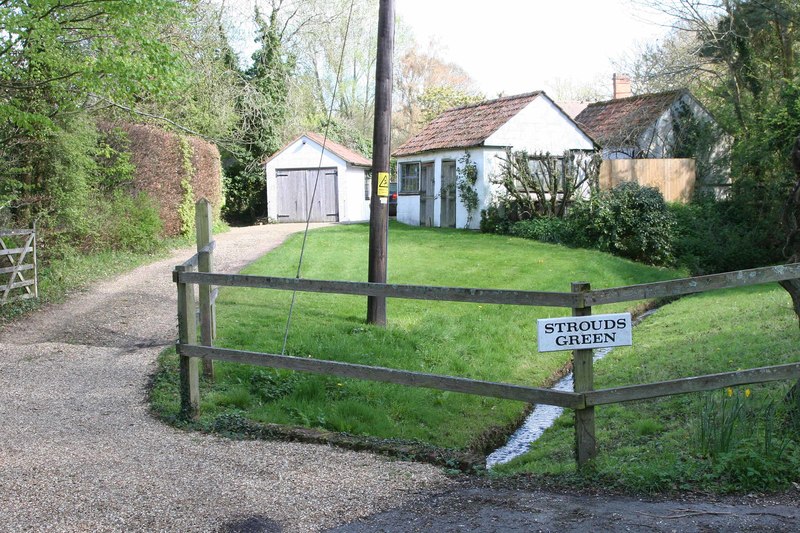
[(381, 151)]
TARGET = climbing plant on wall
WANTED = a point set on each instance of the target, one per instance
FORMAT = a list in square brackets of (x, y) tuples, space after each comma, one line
[(466, 185)]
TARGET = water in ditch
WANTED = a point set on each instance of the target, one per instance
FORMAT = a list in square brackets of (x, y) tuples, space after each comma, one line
[(541, 417)]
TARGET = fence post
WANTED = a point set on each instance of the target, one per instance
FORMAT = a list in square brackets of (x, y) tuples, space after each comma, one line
[(205, 260), (187, 334), (583, 375), (35, 264)]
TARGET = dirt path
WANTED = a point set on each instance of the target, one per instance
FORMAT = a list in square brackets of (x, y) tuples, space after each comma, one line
[(79, 451)]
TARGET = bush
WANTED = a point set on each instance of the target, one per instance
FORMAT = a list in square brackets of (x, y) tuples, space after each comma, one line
[(545, 229), (715, 236), (629, 221), (130, 223)]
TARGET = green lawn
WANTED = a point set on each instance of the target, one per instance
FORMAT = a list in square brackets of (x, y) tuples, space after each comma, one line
[(478, 341), (741, 439)]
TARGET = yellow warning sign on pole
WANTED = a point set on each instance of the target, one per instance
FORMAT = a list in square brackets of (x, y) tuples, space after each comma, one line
[(383, 184)]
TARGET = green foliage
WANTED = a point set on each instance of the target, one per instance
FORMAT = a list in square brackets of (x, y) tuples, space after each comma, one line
[(56, 54), (630, 221), (545, 229), (466, 180), (262, 108), (343, 134), (436, 99), (186, 207), (78, 187), (717, 236)]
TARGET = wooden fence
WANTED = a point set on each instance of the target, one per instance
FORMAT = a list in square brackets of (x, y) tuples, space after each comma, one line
[(18, 266), (580, 300), (675, 178)]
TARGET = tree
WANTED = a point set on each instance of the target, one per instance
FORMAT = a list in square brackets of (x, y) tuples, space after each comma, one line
[(62, 58), (424, 87), (543, 184), (262, 108)]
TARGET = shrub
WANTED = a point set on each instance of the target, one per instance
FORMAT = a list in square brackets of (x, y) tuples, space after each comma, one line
[(714, 236), (630, 221), (131, 223), (545, 229)]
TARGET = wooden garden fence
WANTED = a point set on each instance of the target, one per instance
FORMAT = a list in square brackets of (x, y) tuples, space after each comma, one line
[(18, 265), (580, 300)]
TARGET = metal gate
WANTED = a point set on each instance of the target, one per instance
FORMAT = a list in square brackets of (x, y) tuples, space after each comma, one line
[(296, 189)]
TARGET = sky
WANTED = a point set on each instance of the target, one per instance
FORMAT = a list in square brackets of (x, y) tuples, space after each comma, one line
[(516, 46)]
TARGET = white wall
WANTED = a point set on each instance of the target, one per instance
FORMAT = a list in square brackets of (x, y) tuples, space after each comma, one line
[(305, 154)]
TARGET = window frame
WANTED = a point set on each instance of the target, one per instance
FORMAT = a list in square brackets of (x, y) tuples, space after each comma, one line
[(403, 178)]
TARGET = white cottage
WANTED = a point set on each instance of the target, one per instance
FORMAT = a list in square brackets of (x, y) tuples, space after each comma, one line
[(671, 124), (341, 177), (428, 161)]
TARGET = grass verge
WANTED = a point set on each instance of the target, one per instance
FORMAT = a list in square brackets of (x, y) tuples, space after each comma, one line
[(487, 342), (732, 440)]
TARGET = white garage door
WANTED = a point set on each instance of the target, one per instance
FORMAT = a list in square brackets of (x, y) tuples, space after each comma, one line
[(296, 189)]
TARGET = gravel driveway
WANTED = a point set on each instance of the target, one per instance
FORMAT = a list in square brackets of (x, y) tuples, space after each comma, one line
[(79, 451)]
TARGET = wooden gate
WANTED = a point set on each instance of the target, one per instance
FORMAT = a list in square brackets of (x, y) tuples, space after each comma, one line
[(18, 267)]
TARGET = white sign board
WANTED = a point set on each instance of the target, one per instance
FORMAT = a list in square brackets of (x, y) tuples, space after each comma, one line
[(584, 332)]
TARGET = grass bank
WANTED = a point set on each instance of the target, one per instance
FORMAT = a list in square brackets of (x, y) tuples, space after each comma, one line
[(738, 439), (487, 342)]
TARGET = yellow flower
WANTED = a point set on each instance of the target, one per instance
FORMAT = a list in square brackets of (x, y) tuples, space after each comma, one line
[(729, 391), (747, 393)]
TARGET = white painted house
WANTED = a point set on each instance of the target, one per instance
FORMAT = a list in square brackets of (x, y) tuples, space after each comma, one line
[(333, 184), (428, 161)]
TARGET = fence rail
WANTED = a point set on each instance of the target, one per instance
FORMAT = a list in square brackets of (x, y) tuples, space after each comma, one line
[(196, 271), (19, 261)]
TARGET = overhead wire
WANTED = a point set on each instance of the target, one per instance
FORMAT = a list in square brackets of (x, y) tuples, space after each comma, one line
[(316, 180)]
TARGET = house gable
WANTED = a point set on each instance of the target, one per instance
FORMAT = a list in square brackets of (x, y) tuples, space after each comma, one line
[(541, 127)]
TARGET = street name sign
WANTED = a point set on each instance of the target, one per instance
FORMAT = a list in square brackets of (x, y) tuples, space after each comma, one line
[(584, 332)]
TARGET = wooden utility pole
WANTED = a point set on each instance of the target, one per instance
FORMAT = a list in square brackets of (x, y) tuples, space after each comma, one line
[(381, 151)]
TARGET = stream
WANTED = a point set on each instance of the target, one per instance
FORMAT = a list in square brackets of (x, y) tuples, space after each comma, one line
[(542, 416)]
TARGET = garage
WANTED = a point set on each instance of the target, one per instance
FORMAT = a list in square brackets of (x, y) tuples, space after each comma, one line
[(341, 175)]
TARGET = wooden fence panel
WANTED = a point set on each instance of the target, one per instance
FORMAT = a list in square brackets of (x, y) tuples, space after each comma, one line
[(675, 178)]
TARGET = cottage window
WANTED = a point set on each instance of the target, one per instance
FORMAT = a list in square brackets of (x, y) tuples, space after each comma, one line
[(367, 185), (409, 178)]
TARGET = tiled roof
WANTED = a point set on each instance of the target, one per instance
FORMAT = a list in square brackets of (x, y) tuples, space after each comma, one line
[(350, 156), (466, 126), (621, 121)]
